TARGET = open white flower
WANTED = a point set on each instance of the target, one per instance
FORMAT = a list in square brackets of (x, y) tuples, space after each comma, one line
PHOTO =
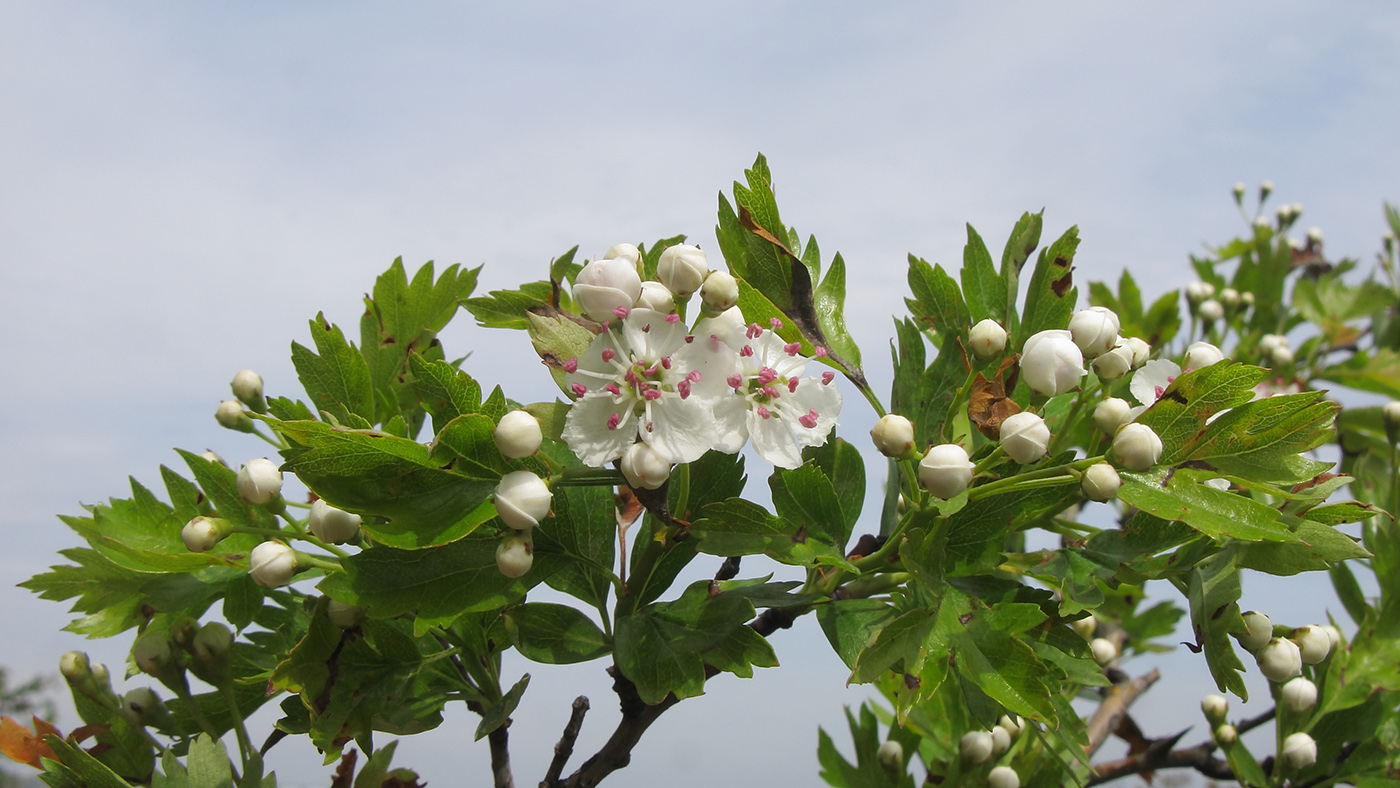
[(1150, 383)]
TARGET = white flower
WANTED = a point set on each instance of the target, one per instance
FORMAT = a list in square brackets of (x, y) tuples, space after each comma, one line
[(1313, 643), (1258, 631), (343, 614), (1104, 651), (656, 297), (1280, 660), (201, 534), (768, 401), (1137, 447), (1202, 354), (682, 268), (945, 470), (1100, 482), (1197, 292), (515, 554), (1299, 695), (333, 525), (1115, 363), (522, 500), (272, 564), (259, 481), (1299, 751), (644, 468), (1151, 382), (891, 755), (1225, 735), (1141, 350), (1001, 740), (605, 289), (1215, 707), (987, 338), (1051, 362), (893, 435), (1024, 437), (624, 251), (1112, 413), (518, 435), (975, 746), (1262, 223), (719, 293), (642, 379), (1094, 330), (1003, 777), (248, 388)]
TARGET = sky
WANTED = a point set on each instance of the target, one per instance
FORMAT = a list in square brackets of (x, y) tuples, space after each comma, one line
[(183, 185)]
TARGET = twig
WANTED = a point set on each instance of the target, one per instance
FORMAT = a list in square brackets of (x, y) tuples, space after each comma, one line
[(1161, 756), (564, 748), (637, 716), (729, 569), (500, 756), (1115, 704)]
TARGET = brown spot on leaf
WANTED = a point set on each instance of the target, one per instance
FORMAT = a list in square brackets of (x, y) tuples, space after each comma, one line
[(345, 772), (1062, 285), (911, 681), (1219, 611), (964, 618), (801, 536), (1176, 396), (988, 406)]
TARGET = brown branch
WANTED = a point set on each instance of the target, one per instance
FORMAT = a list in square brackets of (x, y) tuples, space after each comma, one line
[(499, 740), (616, 753), (564, 748), (729, 569), (1160, 755), (1115, 705)]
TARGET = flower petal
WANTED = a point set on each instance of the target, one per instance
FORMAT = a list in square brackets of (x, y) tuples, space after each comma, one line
[(586, 428), (680, 429), (773, 441)]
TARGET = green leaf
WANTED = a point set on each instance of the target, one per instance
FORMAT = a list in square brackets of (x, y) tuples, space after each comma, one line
[(843, 466), (1180, 414), (753, 259), (500, 711), (937, 303), (208, 763), (508, 308), (1262, 440), (741, 527), (555, 634), (1051, 298), (1024, 238), (583, 532), (1318, 548), (983, 287), (829, 301), (867, 772), (445, 391), (851, 625), (1213, 591), (85, 770), (557, 339), (338, 378), (1377, 372), (976, 534), (1216, 513), (243, 599)]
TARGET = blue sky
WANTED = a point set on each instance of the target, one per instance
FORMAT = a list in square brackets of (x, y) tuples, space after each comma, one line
[(184, 184)]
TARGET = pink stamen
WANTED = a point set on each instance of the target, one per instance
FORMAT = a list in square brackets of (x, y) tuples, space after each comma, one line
[(571, 365), (630, 376), (666, 363), (1159, 391), (791, 348), (766, 376), (694, 376), (646, 328), (735, 381), (651, 394), (613, 421), (754, 331), (654, 369), (821, 352), (770, 392), (684, 388), (810, 420), (613, 389), (792, 385), (827, 377), (746, 351), (578, 389), (621, 311), (689, 339), (673, 318), (763, 412), (608, 354), (775, 323)]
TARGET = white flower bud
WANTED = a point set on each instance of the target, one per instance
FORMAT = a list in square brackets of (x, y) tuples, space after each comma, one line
[(1210, 310), (75, 666), (1100, 482), (1196, 292), (1390, 414), (625, 252), (1086, 626), (1299, 751), (893, 435), (515, 554), (1280, 660), (343, 614), (1141, 350), (1281, 357), (1136, 447), (1114, 364), (1238, 190), (1295, 210), (1230, 297), (1051, 362), (1024, 437), (1269, 342), (1247, 298), (208, 454), (1012, 724), (1001, 740), (1225, 735), (1110, 414), (1258, 631), (719, 293), (604, 286), (891, 756), (1265, 189), (518, 435), (259, 481), (656, 297), (987, 338), (1299, 695), (682, 268), (975, 746), (201, 534), (1003, 777), (272, 564), (1295, 244), (1313, 644), (522, 500), (1314, 235), (1201, 354), (1215, 707), (945, 470), (153, 653), (333, 525), (643, 468), (1094, 330), (1262, 223), (142, 702), (1333, 635), (1104, 650), (247, 386), (230, 415)]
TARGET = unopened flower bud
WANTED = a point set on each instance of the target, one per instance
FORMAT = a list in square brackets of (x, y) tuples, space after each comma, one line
[(1051, 362), (1390, 414), (975, 746), (333, 525), (143, 704), (1280, 660), (1295, 210), (1281, 357), (625, 252), (987, 338), (259, 481), (1269, 342), (1265, 189), (272, 564), (643, 468), (1299, 695), (1313, 644), (682, 268), (1215, 707), (891, 756), (1210, 310), (1198, 291), (1299, 751), (1094, 330), (343, 614), (1333, 635), (154, 654), (518, 435), (1261, 225), (1086, 626), (1003, 777), (1225, 735), (1024, 437), (1001, 740), (1136, 447), (1258, 631), (515, 554), (1230, 297), (945, 470), (656, 297), (606, 285), (1238, 191), (230, 415), (1012, 724), (1247, 298), (209, 455), (719, 293), (1295, 244), (1104, 651), (1115, 363), (1100, 482), (209, 659), (893, 435), (1110, 414), (75, 667), (202, 533), (1201, 354), (248, 388), (522, 500)]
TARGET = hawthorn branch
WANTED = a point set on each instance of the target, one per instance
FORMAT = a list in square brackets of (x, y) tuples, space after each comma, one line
[(1161, 756), (1114, 707), (616, 753), (564, 748), (499, 740)]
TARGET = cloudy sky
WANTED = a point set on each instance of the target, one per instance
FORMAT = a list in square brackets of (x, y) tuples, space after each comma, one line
[(182, 185)]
